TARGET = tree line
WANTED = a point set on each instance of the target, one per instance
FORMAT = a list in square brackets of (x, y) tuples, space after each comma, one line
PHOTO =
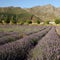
[(14, 18)]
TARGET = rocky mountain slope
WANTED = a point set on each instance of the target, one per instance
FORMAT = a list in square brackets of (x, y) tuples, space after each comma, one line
[(46, 12), (42, 13)]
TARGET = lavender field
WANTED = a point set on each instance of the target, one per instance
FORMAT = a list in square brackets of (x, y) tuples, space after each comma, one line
[(29, 42)]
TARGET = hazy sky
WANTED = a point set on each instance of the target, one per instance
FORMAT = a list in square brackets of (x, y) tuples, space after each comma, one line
[(28, 3)]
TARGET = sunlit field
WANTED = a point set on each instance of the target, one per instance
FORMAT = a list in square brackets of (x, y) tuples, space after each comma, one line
[(30, 30), (29, 42)]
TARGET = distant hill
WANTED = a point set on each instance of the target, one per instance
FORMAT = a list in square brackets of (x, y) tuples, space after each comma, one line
[(19, 12), (12, 10), (46, 12), (42, 13)]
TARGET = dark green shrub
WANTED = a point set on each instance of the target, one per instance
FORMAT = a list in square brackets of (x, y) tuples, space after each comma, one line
[(21, 23), (7, 19), (28, 21), (38, 21), (0, 21), (14, 19), (47, 21), (57, 21)]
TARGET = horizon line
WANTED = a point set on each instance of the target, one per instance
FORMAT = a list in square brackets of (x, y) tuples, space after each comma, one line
[(30, 7)]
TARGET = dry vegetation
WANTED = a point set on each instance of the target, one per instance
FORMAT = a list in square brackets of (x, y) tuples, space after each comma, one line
[(48, 47), (29, 42)]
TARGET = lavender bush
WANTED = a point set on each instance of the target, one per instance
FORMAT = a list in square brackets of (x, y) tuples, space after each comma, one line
[(48, 48), (2, 34), (26, 29), (13, 36), (19, 49), (9, 38)]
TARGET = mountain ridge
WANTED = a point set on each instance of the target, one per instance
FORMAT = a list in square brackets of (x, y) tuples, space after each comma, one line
[(46, 12), (43, 13), (18, 12)]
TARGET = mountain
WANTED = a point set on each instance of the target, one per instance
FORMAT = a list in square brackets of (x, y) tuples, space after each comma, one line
[(18, 11), (46, 12), (42, 13)]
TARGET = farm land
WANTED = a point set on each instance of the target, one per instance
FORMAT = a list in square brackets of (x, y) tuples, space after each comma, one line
[(29, 42)]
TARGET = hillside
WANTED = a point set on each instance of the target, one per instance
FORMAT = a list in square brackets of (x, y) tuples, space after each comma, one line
[(21, 14), (46, 12), (42, 13)]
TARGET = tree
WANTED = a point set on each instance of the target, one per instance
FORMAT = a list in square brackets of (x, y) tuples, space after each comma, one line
[(38, 21), (0, 19), (28, 21), (14, 19), (21, 22), (7, 19), (47, 21), (57, 21)]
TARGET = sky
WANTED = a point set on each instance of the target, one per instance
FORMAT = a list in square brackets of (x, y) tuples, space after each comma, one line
[(28, 3)]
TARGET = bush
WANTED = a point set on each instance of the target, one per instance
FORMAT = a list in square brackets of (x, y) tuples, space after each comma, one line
[(47, 21), (21, 23), (7, 19), (38, 21), (57, 21), (2, 34), (28, 21), (19, 49), (48, 47), (1, 18), (9, 38), (14, 19), (1, 21)]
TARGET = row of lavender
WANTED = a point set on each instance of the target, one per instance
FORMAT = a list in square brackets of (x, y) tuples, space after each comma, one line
[(13, 36), (58, 30), (18, 50), (21, 29), (48, 48)]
